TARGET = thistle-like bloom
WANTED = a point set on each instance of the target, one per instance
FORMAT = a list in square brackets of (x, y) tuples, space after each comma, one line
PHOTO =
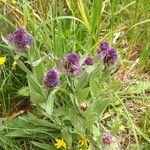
[(89, 61), (73, 58), (60, 143), (52, 78), (71, 64), (2, 60), (107, 139), (104, 46), (109, 56), (20, 39)]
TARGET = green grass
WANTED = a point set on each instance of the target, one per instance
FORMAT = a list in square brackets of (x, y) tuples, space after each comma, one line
[(62, 26)]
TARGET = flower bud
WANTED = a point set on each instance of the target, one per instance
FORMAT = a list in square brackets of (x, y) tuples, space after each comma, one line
[(83, 106)]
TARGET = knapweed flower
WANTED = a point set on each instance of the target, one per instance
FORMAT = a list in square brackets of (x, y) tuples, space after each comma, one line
[(20, 39), (73, 58), (104, 46), (84, 140), (71, 64), (60, 143), (14, 64), (107, 139), (2, 60), (108, 55), (89, 61), (52, 78), (83, 106)]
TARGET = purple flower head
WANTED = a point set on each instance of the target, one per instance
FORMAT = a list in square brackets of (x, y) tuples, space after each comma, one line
[(73, 58), (71, 68), (89, 61), (71, 64), (52, 78), (109, 57), (107, 139), (53, 74), (20, 39), (104, 46), (102, 54)]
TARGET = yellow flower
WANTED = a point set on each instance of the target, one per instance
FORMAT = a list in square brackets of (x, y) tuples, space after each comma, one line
[(82, 149), (14, 64), (14, 1), (83, 140), (60, 143), (2, 60)]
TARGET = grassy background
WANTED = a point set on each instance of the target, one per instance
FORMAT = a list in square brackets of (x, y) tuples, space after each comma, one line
[(61, 26)]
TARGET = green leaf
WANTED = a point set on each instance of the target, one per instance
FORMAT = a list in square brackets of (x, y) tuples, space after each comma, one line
[(90, 120), (116, 85), (77, 123), (95, 88), (96, 131), (37, 62), (33, 84), (115, 127), (95, 84), (48, 106), (100, 106), (32, 119), (138, 88), (82, 94), (67, 136), (23, 67), (83, 80), (24, 91), (36, 98), (90, 69), (44, 146)]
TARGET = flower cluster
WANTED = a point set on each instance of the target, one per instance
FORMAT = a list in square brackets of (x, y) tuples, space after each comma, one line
[(107, 139), (20, 39), (52, 78), (107, 54), (70, 65)]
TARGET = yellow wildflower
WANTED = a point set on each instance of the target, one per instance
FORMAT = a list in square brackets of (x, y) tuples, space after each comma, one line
[(60, 143), (14, 1), (86, 149), (2, 60), (83, 140), (14, 64)]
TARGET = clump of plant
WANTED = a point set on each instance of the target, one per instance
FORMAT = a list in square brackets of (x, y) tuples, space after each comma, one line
[(70, 97)]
